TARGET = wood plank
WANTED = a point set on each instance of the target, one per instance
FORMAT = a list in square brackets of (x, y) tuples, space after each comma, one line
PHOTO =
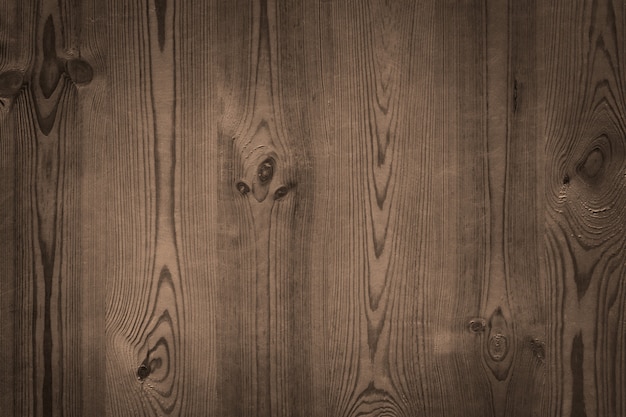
[(14, 52), (48, 93), (400, 233), (160, 211), (513, 297), (12, 65), (584, 128), (523, 218), (264, 210)]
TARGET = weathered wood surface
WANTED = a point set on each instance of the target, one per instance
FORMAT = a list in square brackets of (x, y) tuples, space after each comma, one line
[(313, 208)]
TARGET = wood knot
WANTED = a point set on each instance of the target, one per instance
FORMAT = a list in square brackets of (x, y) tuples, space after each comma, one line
[(477, 325), (566, 179), (280, 192), (143, 372), (79, 71), (10, 83), (539, 349), (265, 171), (243, 188), (49, 73), (592, 165), (498, 347)]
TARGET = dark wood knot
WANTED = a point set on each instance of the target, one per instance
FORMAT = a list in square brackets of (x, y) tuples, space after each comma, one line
[(477, 325), (143, 372), (566, 179), (10, 83), (79, 71), (498, 347), (539, 349), (243, 188), (280, 192), (265, 171), (591, 167)]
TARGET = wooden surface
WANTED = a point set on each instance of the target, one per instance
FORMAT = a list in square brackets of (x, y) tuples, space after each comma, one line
[(313, 208)]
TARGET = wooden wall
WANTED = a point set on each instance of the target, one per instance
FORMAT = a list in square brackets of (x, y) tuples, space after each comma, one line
[(313, 208)]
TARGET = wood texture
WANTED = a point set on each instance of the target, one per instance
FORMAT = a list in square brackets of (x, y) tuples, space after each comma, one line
[(313, 208), (585, 111)]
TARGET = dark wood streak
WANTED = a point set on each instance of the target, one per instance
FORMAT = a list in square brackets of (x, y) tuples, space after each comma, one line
[(161, 10), (578, 378), (515, 96), (50, 72), (49, 78)]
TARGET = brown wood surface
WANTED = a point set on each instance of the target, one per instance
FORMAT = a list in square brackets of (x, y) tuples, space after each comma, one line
[(313, 208)]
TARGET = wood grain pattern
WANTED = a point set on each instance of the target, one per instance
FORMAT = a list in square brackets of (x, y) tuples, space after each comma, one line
[(385, 148), (43, 91), (160, 306), (312, 208), (267, 186), (584, 243)]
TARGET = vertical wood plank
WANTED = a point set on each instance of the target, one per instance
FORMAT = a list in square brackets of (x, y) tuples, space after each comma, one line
[(584, 129), (264, 210), (523, 216), (404, 99), (48, 327), (160, 311), (15, 50), (88, 26), (128, 201), (513, 299), (13, 62), (472, 225), (197, 185)]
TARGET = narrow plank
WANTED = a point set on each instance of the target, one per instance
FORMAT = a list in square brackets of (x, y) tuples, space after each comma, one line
[(9, 248), (160, 212), (197, 184), (584, 127), (264, 209), (523, 216), (456, 303), (14, 57), (13, 62), (512, 306)]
